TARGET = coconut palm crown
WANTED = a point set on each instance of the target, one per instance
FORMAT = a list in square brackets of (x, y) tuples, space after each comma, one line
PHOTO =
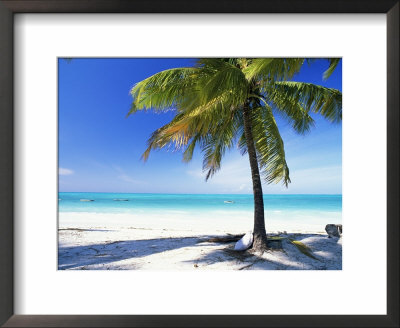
[(221, 103)]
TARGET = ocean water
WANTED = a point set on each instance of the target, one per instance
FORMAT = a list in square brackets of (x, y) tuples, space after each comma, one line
[(132, 203), (316, 210)]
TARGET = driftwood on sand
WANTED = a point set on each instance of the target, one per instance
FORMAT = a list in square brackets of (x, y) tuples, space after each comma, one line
[(224, 239), (273, 242)]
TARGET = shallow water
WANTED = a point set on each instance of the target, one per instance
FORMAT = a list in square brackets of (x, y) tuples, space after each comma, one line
[(304, 210)]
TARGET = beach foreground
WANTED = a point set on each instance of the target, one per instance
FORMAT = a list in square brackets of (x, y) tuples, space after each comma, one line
[(146, 246)]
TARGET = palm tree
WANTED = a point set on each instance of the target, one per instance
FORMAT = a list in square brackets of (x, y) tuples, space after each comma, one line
[(222, 102)]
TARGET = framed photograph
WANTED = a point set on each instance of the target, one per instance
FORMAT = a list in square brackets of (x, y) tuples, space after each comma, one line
[(196, 164)]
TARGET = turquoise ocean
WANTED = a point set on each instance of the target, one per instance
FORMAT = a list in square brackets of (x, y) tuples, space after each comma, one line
[(131, 203), (313, 209)]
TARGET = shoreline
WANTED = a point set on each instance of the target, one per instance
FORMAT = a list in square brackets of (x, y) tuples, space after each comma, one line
[(199, 222)]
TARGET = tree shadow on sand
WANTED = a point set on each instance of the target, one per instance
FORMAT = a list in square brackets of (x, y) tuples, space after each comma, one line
[(290, 258), (326, 257), (72, 257), (240, 260)]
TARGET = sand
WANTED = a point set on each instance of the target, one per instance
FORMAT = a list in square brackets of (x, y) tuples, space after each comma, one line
[(125, 242)]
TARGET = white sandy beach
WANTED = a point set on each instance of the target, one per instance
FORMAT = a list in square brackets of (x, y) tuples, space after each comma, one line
[(90, 241)]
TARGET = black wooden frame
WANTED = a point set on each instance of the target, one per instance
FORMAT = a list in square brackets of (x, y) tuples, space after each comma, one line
[(7, 10)]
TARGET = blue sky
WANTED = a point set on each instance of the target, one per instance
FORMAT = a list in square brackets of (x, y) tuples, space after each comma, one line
[(100, 149)]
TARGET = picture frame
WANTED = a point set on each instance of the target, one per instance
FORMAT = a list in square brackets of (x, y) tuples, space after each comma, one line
[(7, 10)]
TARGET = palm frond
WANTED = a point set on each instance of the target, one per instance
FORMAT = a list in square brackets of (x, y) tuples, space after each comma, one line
[(318, 99), (269, 146), (213, 128), (188, 153), (293, 111), (220, 77), (164, 90), (273, 69), (218, 141), (333, 62), (175, 134)]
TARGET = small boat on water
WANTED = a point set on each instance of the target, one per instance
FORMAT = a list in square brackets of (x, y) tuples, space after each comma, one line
[(228, 201), (121, 200), (87, 200)]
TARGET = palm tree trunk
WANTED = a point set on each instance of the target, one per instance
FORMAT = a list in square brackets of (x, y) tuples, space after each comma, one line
[(259, 233)]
